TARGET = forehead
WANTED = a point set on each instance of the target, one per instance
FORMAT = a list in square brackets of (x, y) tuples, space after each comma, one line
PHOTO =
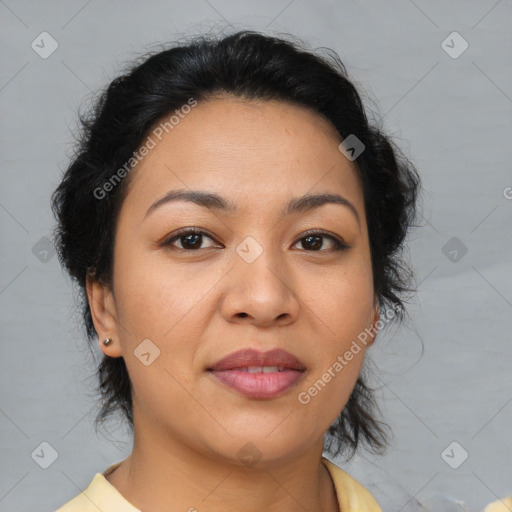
[(254, 149)]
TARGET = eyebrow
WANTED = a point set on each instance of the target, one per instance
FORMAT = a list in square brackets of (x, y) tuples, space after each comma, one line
[(214, 201)]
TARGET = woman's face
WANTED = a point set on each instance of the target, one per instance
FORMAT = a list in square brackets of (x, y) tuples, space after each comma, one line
[(253, 279)]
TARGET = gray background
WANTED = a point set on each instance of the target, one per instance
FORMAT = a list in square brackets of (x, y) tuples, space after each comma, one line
[(450, 115)]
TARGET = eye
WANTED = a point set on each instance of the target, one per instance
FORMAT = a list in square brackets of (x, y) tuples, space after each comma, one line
[(190, 239), (313, 241)]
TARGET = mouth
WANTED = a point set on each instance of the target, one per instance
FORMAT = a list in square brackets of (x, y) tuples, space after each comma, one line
[(259, 375), (260, 369)]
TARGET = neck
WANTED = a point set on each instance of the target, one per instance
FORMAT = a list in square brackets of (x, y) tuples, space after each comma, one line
[(163, 471)]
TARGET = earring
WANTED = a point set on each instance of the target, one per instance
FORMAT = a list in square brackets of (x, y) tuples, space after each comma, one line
[(107, 341)]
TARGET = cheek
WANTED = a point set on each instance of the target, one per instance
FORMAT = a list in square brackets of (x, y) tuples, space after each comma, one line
[(327, 390), (343, 306), (342, 298), (153, 298)]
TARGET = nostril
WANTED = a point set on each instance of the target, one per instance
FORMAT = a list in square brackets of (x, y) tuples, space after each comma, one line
[(242, 315)]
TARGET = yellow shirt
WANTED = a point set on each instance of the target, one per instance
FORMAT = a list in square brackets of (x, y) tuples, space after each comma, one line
[(102, 495)]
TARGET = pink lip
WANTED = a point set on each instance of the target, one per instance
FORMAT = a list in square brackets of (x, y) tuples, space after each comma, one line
[(259, 385), (251, 357)]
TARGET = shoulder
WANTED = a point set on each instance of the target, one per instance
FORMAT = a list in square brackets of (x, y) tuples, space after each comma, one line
[(352, 496), (85, 501), (503, 505), (99, 495)]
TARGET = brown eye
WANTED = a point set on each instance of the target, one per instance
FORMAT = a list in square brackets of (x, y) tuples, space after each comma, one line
[(189, 239), (314, 241)]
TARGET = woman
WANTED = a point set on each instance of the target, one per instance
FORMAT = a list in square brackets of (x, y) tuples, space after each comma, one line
[(235, 227)]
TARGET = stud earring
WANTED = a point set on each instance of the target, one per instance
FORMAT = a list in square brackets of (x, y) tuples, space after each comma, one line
[(107, 341)]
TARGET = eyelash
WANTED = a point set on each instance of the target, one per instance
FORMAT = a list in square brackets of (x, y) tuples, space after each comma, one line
[(338, 244)]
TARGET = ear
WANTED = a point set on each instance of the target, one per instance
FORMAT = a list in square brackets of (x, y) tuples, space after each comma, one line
[(373, 323), (104, 315)]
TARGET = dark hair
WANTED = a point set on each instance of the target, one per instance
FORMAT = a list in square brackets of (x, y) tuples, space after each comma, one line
[(248, 65)]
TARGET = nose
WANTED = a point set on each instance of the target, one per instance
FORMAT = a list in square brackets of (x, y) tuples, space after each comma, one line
[(261, 292)]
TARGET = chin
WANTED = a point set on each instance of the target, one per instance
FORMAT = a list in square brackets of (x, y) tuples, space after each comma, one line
[(264, 451)]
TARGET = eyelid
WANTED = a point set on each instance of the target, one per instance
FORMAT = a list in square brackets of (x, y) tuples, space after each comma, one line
[(322, 232), (183, 232)]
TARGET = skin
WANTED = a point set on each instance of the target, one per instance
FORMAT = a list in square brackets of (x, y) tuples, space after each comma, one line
[(199, 305)]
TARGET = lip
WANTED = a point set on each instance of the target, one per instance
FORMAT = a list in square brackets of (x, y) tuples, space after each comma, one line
[(232, 372), (250, 357)]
